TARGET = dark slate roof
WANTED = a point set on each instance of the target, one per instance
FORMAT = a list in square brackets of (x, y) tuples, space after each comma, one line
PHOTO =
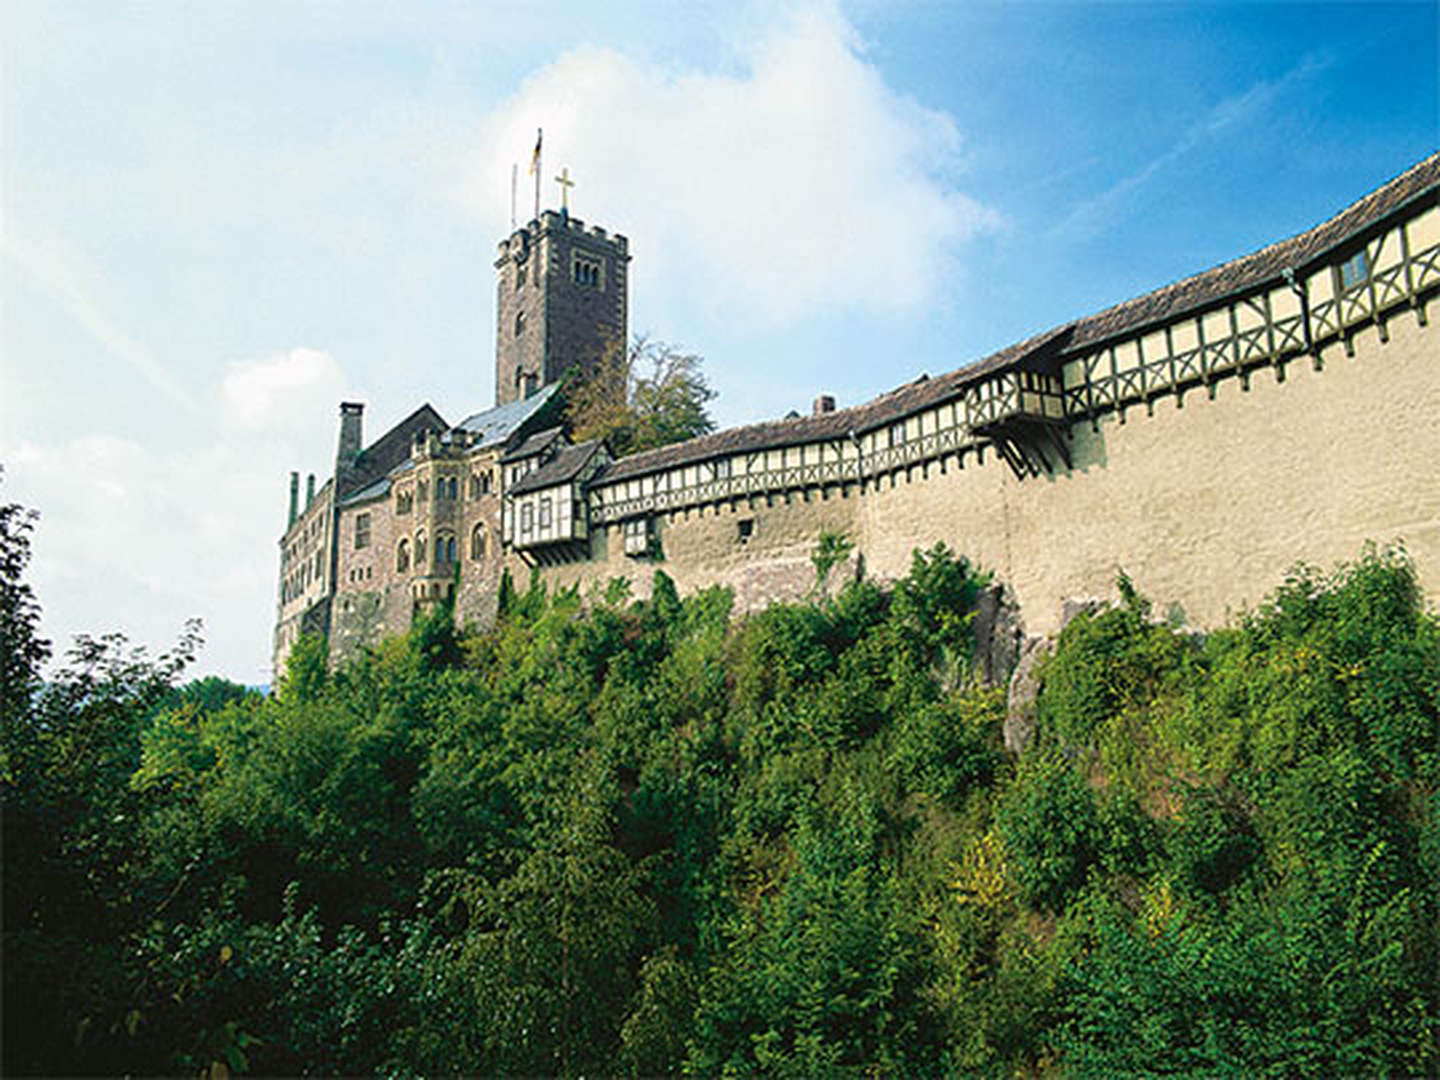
[(541, 440), (1045, 350), (560, 469), (388, 451), (500, 423), (378, 489)]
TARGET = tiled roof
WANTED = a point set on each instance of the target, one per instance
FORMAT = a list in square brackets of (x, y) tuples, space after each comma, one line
[(560, 469), (498, 424), (1044, 350), (1263, 266), (536, 443), (1038, 351)]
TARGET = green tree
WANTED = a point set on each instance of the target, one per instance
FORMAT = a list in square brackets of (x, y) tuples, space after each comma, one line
[(651, 394)]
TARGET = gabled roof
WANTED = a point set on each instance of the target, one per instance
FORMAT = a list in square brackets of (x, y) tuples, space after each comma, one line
[(535, 444), (388, 451), (561, 469), (498, 424), (1044, 351)]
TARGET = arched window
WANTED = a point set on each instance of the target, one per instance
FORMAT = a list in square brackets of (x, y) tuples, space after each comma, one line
[(422, 491), (474, 486), (519, 323), (402, 556), (420, 548), (477, 542), (454, 488), (450, 549)]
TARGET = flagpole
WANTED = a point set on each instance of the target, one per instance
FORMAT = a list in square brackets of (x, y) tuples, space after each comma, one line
[(539, 138)]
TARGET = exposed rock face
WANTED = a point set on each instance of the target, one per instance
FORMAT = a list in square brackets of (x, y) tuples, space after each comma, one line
[(999, 635), (1024, 691)]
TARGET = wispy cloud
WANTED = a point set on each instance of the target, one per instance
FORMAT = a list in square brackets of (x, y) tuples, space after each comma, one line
[(58, 276), (1094, 214)]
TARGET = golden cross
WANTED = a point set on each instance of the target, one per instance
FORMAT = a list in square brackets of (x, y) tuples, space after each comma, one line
[(565, 185)]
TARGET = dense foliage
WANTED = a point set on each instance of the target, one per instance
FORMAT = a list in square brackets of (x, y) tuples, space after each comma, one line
[(647, 838)]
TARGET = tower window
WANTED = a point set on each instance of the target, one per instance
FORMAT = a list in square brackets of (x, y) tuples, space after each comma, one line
[(520, 277), (362, 531), (477, 542), (586, 270), (519, 323)]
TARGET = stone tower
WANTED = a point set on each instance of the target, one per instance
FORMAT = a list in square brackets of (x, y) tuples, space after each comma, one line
[(560, 302)]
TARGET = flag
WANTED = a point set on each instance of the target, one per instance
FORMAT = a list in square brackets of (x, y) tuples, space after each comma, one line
[(535, 157)]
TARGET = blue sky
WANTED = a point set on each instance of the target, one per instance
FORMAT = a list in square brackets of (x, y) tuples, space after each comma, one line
[(220, 219)]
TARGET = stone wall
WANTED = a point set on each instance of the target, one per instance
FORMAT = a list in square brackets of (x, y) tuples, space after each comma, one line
[(1205, 505)]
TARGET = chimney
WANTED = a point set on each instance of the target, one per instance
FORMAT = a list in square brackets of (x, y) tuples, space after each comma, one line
[(351, 413), (294, 498), (825, 403), (309, 490)]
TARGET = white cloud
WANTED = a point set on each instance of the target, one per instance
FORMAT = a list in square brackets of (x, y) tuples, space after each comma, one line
[(286, 391), (800, 183), (138, 535)]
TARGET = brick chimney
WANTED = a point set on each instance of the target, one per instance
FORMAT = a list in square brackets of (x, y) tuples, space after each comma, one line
[(825, 403)]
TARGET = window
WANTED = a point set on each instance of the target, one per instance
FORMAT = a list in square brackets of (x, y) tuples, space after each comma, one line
[(450, 549), (453, 488), (474, 486), (520, 277), (897, 434), (1354, 271), (362, 531), (744, 530), (477, 542), (420, 548), (422, 491), (637, 536), (585, 269), (527, 519), (722, 469), (404, 501), (519, 323), (546, 509)]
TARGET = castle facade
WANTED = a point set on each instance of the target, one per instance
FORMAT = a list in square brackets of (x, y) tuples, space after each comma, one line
[(1204, 437)]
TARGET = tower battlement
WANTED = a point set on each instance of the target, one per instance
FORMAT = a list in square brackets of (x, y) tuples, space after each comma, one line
[(561, 301)]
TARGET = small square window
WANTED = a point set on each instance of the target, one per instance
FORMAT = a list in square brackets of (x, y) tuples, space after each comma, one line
[(1354, 271)]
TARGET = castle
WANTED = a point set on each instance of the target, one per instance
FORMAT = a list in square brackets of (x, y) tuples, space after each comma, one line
[(1204, 437)]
